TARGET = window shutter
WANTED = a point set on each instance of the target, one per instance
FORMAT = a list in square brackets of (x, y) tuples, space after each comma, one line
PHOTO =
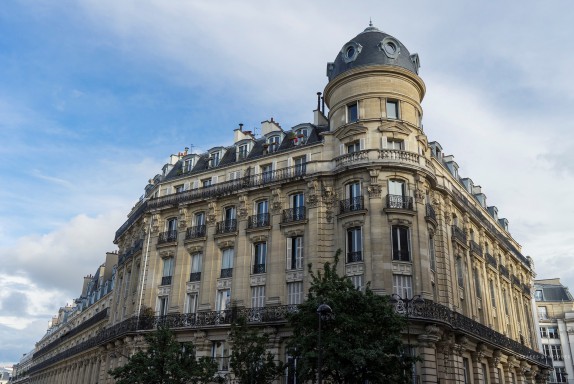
[(406, 145), (289, 250), (289, 162), (342, 149), (384, 143), (362, 144), (186, 186), (195, 184), (214, 179)]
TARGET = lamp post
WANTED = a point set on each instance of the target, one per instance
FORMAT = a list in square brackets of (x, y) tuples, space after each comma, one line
[(324, 312)]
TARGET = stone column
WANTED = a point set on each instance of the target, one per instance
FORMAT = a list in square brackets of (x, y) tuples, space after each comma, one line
[(444, 350), (494, 361), (428, 353), (458, 364), (477, 357)]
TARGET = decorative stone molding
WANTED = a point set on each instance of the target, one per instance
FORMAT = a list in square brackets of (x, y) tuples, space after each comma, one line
[(224, 283), (402, 268), (353, 223), (374, 174), (192, 286), (312, 200), (182, 218), (276, 203), (258, 238), (374, 191), (155, 223), (354, 269), (223, 244), (294, 232), (166, 253), (257, 280), (395, 220), (164, 290), (196, 248), (419, 195), (291, 276), (211, 215)]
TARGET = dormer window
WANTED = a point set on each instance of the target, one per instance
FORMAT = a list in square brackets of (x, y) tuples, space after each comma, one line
[(272, 143), (214, 159), (352, 112), (301, 136), (242, 151), (188, 165)]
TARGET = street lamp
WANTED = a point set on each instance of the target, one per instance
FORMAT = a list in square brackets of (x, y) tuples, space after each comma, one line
[(324, 312)]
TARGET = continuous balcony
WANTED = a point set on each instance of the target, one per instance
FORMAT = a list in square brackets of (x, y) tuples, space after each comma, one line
[(504, 271), (258, 221), (166, 280), (195, 276), (138, 246), (167, 237), (491, 260), (258, 268), (292, 215), (354, 257), (458, 234), (197, 231), (392, 157), (226, 272), (430, 212), (351, 205), (226, 226), (474, 247), (213, 191), (400, 202)]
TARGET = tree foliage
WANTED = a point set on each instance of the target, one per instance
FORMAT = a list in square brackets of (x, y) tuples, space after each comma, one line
[(361, 341), (251, 362), (165, 361)]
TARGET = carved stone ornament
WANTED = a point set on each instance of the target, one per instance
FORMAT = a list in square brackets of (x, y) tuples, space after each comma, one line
[(194, 249), (312, 200), (155, 223), (374, 173), (211, 216), (374, 191), (182, 219), (419, 195), (276, 205), (243, 210), (166, 254)]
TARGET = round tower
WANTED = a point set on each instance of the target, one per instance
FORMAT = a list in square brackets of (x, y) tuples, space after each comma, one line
[(374, 78)]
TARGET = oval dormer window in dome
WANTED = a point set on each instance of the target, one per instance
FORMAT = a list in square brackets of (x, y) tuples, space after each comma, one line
[(391, 47), (350, 51)]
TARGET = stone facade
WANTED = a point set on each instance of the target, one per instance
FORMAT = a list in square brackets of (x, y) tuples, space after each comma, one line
[(233, 230)]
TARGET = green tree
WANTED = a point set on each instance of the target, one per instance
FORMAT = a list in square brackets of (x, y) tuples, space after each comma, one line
[(165, 361), (251, 362), (361, 341)]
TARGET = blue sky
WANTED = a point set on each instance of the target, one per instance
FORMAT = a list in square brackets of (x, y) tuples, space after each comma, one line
[(96, 95)]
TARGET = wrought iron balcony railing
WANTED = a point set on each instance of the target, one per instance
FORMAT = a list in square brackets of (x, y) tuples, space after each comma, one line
[(474, 247), (226, 272), (167, 237), (195, 232), (195, 276), (166, 280), (136, 247), (400, 202), (294, 214), (491, 260), (354, 257), (458, 233), (526, 289), (226, 226), (258, 268), (516, 281), (430, 212), (352, 204), (258, 221), (215, 190), (401, 255)]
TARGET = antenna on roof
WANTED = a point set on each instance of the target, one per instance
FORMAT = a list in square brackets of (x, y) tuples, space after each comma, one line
[(191, 148)]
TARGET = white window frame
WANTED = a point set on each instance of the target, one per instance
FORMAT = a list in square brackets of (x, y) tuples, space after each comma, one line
[(392, 108), (162, 305), (258, 296), (403, 285), (354, 240), (191, 302), (294, 292), (398, 234), (295, 252), (223, 299), (352, 112)]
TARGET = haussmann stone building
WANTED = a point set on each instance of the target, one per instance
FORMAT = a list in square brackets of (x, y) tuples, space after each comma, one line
[(231, 231)]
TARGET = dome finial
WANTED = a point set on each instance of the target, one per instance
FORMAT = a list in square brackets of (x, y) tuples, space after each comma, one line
[(370, 22)]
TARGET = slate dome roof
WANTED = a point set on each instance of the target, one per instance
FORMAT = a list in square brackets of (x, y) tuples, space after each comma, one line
[(372, 47)]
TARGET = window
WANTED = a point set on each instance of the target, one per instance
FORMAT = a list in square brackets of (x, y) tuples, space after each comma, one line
[(397, 197), (553, 333), (191, 303), (242, 151), (260, 250), (354, 245), (167, 271), (229, 223), (297, 210), (492, 293), (263, 209), (227, 262), (353, 147), (295, 252), (295, 293), (220, 354), (214, 159), (538, 296), (299, 165), (352, 112), (466, 370), (354, 197), (171, 225), (258, 296), (162, 307), (357, 281), (273, 143), (223, 300), (267, 172), (542, 313), (400, 240), (397, 188), (206, 182), (556, 352), (179, 188), (403, 286), (291, 371), (505, 300), (127, 282), (188, 165), (432, 254), (477, 283), (392, 109), (543, 332), (484, 373), (397, 145), (229, 213), (199, 219), (560, 373), (195, 274)]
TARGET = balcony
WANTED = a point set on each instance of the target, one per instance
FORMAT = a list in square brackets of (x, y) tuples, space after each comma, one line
[(258, 268), (195, 276), (258, 221), (167, 237), (491, 260), (195, 232), (292, 215), (401, 255), (474, 247), (166, 280), (226, 226), (504, 271), (458, 234), (400, 202), (526, 289), (354, 257), (136, 247), (213, 191), (516, 281), (226, 272), (430, 212), (351, 205)]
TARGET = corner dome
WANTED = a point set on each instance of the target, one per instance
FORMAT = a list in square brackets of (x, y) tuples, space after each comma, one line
[(372, 47)]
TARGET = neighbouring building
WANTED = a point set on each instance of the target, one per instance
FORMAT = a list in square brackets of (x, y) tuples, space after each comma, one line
[(231, 231), (555, 315)]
